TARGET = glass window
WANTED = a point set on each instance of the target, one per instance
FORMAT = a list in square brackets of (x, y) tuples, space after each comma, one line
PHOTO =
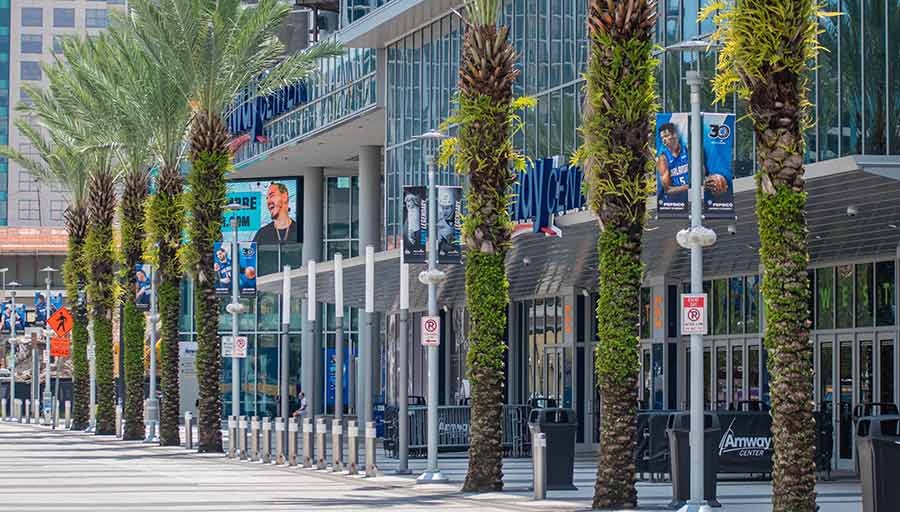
[(825, 298), (753, 371), (96, 18), (32, 17), (736, 305), (737, 373), (887, 371), (27, 182), (57, 43), (32, 43), (875, 86), (658, 376), (826, 377), (866, 372), (57, 208), (269, 318), (707, 378), (752, 304), (720, 306), (885, 293), (29, 209), (851, 69), (865, 295), (30, 70), (647, 377), (646, 313), (721, 377), (827, 77), (844, 291), (63, 17)]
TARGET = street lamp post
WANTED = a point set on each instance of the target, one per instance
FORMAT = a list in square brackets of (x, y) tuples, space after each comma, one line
[(12, 346), (152, 403), (432, 278), (235, 308), (48, 396)]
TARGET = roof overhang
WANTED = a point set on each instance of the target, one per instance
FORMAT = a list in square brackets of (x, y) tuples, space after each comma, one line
[(392, 21)]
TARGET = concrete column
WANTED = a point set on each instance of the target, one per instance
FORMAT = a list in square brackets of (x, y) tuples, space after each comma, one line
[(370, 212), (312, 251)]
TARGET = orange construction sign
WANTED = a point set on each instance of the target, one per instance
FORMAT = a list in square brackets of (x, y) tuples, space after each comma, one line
[(61, 322), (59, 347)]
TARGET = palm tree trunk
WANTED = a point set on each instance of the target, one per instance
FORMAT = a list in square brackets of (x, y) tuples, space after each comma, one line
[(76, 224), (210, 162), (166, 222), (101, 258), (132, 238), (780, 207)]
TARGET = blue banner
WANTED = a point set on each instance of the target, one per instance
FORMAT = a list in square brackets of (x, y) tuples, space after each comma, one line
[(222, 264), (40, 309), (332, 374), (272, 213), (718, 164), (142, 285), (673, 175)]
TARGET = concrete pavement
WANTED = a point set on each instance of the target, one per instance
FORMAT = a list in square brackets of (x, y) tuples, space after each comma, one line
[(44, 470)]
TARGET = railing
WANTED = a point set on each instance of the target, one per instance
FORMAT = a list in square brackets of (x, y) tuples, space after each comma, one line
[(453, 430)]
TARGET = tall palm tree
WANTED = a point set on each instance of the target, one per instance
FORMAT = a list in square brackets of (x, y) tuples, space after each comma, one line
[(487, 117), (156, 97), (219, 47), (618, 115), (60, 162), (768, 45)]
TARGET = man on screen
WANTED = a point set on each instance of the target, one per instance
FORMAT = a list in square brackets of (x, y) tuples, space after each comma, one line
[(672, 171), (282, 228)]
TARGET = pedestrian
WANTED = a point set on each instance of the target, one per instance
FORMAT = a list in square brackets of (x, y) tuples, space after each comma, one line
[(302, 410)]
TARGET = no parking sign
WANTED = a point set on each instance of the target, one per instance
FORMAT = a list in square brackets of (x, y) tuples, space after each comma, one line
[(693, 313), (431, 331)]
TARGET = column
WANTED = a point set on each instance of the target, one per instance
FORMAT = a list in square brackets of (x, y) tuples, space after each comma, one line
[(370, 212), (312, 250)]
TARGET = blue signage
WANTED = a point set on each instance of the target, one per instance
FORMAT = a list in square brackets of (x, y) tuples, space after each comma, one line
[(546, 187), (253, 112)]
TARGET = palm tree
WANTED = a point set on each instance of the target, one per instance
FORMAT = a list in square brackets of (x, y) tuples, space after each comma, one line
[(487, 117), (60, 162), (219, 47), (618, 116), (768, 45), (156, 97)]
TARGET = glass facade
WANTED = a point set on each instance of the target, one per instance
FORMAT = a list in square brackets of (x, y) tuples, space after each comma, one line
[(4, 110), (354, 10)]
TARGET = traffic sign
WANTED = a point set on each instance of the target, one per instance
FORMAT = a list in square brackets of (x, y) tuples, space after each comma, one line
[(693, 313), (431, 331), (61, 322), (59, 347), (234, 348)]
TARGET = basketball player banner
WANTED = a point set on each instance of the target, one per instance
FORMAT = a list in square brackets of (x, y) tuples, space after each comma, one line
[(673, 176)]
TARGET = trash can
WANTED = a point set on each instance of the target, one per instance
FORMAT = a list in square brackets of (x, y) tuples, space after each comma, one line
[(878, 450), (559, 426), (679, 431)]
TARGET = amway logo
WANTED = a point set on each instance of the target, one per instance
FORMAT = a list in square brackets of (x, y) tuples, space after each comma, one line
[(747, 446)]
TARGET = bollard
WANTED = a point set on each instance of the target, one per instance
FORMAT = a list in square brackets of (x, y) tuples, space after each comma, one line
[(232, 437), (337, 445), (293, 427), (242, 437), (18, 404), (538, 456), (371, 468), (55, 412), (68, 420), (189, 430), (119, 421), (3, 409), (279, 441), (321, 432), (352, 448), (266, 450), (28, 411), (254, 439), (36, 412), (307, 443)]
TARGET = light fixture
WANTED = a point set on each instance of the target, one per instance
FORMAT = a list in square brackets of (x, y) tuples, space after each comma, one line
[(852, 211), (892, 226)]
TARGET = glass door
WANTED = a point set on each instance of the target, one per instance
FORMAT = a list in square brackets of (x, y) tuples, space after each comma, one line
[(843, 404), (887, 368), (557, 375)]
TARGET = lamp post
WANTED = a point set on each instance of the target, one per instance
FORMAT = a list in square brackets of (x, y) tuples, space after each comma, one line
[(12, 345), (235, 308), (152, 403), (696, 238), (432, 278), (339, 338), (284, 389), (47, 398)]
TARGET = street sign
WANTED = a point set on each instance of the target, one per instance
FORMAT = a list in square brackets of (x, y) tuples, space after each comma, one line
[(59, 347), (693, 313), (90, 352), (431, 331), (234, 348), (61, 322)]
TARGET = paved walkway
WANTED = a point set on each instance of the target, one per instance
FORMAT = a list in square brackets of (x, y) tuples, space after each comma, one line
[(44, 470)]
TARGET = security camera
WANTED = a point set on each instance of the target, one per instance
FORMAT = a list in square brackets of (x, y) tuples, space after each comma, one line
[(852, 211), (732, 229), (526, 261)]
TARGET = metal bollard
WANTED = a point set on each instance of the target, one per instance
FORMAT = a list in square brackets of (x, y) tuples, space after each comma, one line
[(266, 450), (55, 412), (242, 437), (3, 409), (352, 448), (119, 421), (254, 438), (293, 428), (307, 443), (18, 405), (538, 456), (321, 431), (232, 437), (337, 445), (68, 408), (371, 468), (279, 440), (189, 430), (28, 411)]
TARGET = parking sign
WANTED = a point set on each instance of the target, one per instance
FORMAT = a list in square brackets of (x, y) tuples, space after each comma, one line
[(431, 331), (693, 313)]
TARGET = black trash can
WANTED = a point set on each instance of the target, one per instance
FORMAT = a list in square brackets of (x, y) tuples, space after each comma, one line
[(878, 453), (560, 427), (679, 432)]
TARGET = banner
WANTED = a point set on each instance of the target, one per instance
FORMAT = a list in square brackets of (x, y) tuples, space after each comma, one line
[(273, 213), (746, 442), (7, 313), (415, 224), (673, 176), (332, 375), (449, 224), (56, 302), (142, 286), (40, 309), (718, 163), (222, 263)]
